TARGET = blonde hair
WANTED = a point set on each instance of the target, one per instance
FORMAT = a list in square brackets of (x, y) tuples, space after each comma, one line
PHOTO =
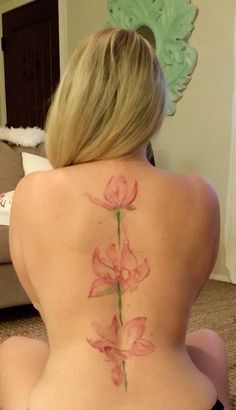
[(110, 100)]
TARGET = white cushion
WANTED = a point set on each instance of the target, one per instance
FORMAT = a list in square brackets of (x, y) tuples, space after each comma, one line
[(5, 207), (32, 163)]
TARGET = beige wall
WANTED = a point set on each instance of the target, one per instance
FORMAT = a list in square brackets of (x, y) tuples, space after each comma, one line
[(84, 17), (6, 5), (0, 111), (197, 137), (2, 85)]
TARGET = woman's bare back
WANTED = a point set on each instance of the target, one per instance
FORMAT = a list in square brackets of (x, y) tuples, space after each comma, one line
[(114, 255)]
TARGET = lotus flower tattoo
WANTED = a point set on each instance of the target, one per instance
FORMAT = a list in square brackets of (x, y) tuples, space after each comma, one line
[(117, 267), (117, 194), (120, 346), (119, 271)]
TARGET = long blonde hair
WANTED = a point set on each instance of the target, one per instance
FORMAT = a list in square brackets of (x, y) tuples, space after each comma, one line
[(110, 100)]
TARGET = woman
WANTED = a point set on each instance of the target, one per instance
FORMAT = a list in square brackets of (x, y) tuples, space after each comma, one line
[(112, 251)]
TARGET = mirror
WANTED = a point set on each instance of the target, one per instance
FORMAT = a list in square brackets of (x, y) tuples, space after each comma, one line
[(167, 25), (148, 34)]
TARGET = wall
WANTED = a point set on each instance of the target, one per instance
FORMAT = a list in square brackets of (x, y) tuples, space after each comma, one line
[(197, 138), (84, 17), (2, 84), (6, 5)]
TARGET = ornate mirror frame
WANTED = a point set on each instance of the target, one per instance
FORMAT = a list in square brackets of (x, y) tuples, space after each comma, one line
[(167, 24)]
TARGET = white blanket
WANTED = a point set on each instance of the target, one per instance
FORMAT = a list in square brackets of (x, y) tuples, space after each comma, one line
[(26, 137)]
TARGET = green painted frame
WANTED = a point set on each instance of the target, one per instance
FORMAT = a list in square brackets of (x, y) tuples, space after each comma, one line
[(171, 22)]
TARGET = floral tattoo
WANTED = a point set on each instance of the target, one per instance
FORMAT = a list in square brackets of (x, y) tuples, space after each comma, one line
[(118, 271)]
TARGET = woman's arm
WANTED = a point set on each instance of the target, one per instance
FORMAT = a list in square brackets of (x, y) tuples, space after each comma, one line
[(17, 229), (208, 218)]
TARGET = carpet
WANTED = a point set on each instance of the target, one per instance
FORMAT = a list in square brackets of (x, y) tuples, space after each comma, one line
[(214, 309)]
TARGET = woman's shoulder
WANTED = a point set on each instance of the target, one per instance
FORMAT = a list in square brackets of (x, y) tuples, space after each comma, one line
[(193, 185), (199, 186), (204, 195), (38, 183), (190, 204), (181, 191), (33, 194)]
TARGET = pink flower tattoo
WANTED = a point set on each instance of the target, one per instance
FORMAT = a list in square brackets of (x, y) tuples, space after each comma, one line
[(118, 267), (118, 349), (117, 194), (116, 272)]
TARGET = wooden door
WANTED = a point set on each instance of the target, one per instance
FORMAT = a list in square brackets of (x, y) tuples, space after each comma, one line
[(31, 61)]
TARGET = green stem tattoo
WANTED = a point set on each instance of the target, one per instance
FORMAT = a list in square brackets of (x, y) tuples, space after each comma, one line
[(118, 216), (125, 376), (118, 291)]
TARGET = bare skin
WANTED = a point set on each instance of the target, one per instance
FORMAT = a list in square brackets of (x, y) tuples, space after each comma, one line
[(54, 230)]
